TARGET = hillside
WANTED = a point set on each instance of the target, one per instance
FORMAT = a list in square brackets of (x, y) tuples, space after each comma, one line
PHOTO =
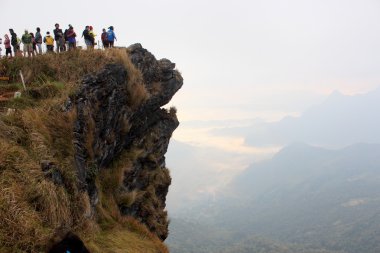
[(83, 150), (338, 122), (314, 198)]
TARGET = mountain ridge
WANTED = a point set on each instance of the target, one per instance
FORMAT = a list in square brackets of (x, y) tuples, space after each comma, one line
[(339, 121), (320, 199)]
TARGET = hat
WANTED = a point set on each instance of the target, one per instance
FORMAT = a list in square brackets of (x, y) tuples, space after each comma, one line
[(111, 27), (47, 32)]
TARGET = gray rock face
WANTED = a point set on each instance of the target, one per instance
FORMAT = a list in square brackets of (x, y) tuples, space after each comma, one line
[(107, 125)]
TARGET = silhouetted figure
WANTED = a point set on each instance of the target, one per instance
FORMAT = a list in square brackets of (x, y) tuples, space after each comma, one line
[(14, 41), (104, 38), (70, 243), (59, 39), (87, 37), (38, 40)]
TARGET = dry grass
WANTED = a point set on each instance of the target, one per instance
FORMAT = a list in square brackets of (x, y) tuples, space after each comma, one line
[(52, 203), (19, 224), (128, 236), (31, 206), (138, 93), (68, 67), (127, 198)]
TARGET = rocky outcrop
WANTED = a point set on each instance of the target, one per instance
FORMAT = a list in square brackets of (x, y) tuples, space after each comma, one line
[(117, 112)]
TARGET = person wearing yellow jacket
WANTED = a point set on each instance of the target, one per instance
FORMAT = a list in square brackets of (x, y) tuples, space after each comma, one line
[(92, 35), (49, 41)]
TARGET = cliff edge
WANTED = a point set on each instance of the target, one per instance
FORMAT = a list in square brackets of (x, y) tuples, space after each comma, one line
[(82, 151)]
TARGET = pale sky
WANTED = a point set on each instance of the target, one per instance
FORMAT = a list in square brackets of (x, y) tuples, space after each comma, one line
[(239, 59)]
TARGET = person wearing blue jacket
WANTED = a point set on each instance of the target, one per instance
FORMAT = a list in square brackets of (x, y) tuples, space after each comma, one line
[(111, 36)]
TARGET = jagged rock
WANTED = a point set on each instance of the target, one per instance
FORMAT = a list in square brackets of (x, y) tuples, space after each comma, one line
[(108, 124)]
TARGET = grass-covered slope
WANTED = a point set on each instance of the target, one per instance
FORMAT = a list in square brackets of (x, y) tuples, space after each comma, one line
[(42, 192)]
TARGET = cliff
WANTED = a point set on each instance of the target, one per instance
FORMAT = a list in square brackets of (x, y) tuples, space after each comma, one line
[(83, 151)]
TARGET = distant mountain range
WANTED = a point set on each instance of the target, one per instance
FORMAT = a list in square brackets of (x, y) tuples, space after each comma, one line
[(339, 121), (327, 200)]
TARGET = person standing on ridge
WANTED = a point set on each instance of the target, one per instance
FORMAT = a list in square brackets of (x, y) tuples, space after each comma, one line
[(7, 45), (92, 35), (49, 41), (26, 39), (34, 44), (111, 36), (38, 39), (87, 37), (14, 41), (58, 37), (66, 38), (70, 34), (104, 38)]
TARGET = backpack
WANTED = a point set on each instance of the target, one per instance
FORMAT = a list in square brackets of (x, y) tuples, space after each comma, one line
[(49, 40), (104, 36), (65, 34), (14, 39), (110, 35)]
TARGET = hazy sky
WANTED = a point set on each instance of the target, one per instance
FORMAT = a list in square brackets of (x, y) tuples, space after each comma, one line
[(240, 59)]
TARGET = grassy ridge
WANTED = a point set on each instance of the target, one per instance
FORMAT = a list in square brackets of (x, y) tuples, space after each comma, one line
[(34, 211)]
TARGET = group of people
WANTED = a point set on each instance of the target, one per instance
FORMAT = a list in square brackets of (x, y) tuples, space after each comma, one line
[(64, 41)]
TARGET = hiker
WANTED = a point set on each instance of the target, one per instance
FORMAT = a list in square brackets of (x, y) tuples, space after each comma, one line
[(7, 45), (19, 51), (87, 37), (34, 45), (92, 35), (58, 37), (104, 38), (26, 39), (111, 37), (49, 41), (14, 41), (66, 38), (70, 34), (38, 39)]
